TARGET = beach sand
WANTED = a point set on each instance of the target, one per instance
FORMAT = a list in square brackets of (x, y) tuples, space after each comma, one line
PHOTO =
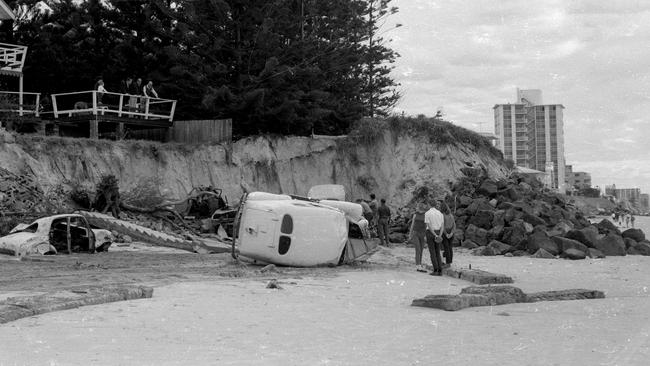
[(357, 315)]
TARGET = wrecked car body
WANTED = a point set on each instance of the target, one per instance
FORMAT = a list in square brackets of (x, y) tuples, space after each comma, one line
[(301, 232), (67, 233)]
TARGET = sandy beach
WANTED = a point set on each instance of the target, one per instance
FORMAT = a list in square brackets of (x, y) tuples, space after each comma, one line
[(353, 316)]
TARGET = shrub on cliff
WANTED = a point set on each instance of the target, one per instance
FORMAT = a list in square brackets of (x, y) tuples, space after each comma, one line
[(442, 132)]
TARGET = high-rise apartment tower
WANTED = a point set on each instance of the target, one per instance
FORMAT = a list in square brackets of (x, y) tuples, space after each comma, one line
[(531, 134)]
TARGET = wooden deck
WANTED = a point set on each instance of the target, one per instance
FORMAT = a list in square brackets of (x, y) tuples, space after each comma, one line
[(115, 104)]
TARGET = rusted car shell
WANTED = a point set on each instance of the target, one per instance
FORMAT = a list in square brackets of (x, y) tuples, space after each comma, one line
[(23, 241)]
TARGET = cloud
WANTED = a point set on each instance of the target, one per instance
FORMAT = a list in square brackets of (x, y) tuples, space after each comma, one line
[(589, 55)]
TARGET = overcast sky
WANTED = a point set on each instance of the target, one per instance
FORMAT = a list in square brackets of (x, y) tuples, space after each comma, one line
[(592, 56)]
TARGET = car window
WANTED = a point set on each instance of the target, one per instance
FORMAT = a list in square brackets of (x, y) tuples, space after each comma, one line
[(29, 229)]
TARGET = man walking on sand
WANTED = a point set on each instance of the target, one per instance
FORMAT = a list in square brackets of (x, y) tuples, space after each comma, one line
[(435, 222)]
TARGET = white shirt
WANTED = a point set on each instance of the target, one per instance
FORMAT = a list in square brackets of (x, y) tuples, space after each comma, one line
[(434, 219)]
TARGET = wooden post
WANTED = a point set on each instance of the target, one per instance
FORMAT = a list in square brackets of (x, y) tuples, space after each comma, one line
[(146, 108), (95, 102), (20, 94), (171, 113), (54, 108), (38, 102), (55, 129), (119, 112), (94, 128), (120, 131), (69, 237)]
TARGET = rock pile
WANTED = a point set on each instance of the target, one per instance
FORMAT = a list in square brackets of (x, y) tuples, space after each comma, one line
[(516, 217)]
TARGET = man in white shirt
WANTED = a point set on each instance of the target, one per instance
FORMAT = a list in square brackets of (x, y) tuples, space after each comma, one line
[(435, 221)]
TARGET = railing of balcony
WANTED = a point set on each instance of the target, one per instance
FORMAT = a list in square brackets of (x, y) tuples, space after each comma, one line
[(12, 57), (122, 105), (10, 101)]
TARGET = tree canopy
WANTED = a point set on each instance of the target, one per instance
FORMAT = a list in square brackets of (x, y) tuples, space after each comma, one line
[(273, 66)]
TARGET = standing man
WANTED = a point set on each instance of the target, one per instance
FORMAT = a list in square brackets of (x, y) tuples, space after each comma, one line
[(448, 234), (435, 222), (384, 219), (374, 207)]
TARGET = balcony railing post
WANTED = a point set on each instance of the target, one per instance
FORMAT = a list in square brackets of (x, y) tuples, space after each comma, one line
[(20, 96), (119, 112), (38, 104), (171, 113), (54, 108), (95, 102)]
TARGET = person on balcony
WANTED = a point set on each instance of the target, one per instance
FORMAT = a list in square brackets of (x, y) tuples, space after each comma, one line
[(100, 90), (128, 87), (149, 91)]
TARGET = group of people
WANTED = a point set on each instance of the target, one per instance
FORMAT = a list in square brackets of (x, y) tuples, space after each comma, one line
[(135, 89), (622, 217), (431, 225), (434, 225), (378, 216)]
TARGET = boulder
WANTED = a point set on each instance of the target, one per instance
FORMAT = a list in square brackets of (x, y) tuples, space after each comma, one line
[(503, 205), (498, 219), (493, 202), (642, 248), (587, 236), (528, 228), (611, 244), (565, 244), (499, 247), (501, 184), (476, 234), (563, 227), (635, 234), (539, 240), (495, 233), (487, 188), (513, 235), (605, 227), (533, 220), (519, 253), (478, 204), (464, 201), (482, 219), (469, 244), (541, 253), (573, 253), (485, 251), (595, 253), (629, 242), (513, 214)]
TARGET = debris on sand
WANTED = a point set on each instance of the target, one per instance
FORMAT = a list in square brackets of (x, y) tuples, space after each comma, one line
[(499, 295)]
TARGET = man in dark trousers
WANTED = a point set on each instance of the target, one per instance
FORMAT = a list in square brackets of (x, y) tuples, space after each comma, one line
[(384, 219), (435, 221), (373, 206)]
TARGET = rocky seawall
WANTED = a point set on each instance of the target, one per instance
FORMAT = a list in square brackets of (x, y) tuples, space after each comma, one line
[(392, 166)]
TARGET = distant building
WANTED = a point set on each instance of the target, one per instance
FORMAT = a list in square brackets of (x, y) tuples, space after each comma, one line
[(631, 195), (645, 201), (531, 134), (576, 180), (581, 180)]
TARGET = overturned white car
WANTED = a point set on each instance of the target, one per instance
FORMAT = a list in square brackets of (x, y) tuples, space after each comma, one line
[(302, 232), (68, 233)]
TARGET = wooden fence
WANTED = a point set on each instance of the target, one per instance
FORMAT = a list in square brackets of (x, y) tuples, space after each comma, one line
[(189, 132)]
